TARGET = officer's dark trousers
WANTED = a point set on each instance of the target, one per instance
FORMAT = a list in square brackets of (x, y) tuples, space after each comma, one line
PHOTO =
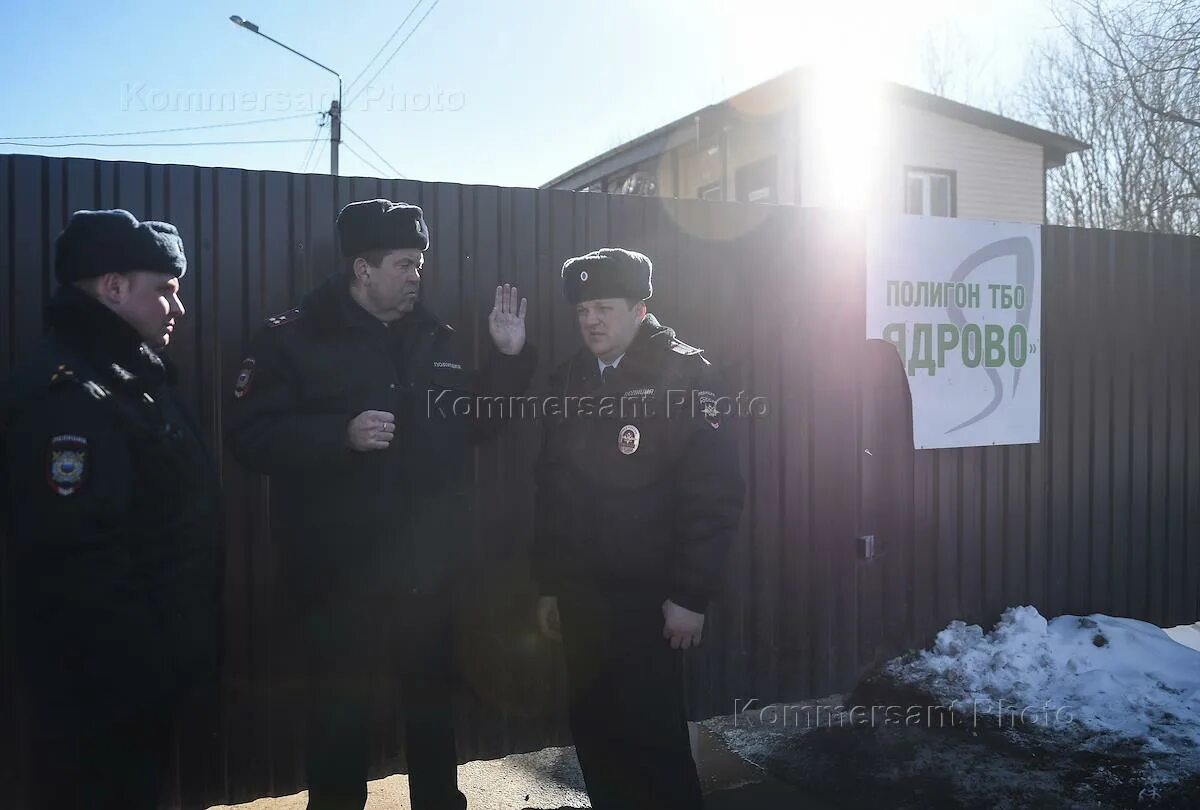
[(345, 643), (626, 708), (111, 767)]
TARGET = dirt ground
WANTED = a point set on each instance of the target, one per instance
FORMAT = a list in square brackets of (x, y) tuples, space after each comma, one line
[(831, 762), (550, 780)]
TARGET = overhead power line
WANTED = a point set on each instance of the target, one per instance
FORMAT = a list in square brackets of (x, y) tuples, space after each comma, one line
[(387, 42), (151, 131), (354, 152), (176, 143), (374, 151), (312, 147), (393, 56), (320, 151)]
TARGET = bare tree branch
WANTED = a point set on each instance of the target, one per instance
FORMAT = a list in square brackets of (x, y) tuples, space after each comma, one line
[(1140, 39), (1123, 77)]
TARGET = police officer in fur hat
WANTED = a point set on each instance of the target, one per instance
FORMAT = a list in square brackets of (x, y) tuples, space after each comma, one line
[(347, 402), (112, 504), (638, 498)]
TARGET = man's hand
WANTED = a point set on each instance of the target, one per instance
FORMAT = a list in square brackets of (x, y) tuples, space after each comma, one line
[(547, 617), (507, 320), (371, 430), (682, 626)]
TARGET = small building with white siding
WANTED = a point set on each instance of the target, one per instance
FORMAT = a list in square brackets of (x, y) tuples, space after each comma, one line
[(817, 139)]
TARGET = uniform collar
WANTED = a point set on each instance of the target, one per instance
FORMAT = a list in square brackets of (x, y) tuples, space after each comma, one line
[(329, 307), (651, 339), (601, 365), (93, 332)]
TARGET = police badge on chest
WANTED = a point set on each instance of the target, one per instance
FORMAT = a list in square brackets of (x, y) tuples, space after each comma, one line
[(629, 439), (245, 377)]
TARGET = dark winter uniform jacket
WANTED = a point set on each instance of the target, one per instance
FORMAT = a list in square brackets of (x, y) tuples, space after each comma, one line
[(350, 521), (113, 511), (638, 486)]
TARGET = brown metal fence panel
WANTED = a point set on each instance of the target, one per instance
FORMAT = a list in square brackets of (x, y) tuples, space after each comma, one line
[(1103, 515)]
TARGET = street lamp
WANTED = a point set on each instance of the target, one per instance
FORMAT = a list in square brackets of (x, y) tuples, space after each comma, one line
[(335, 108)]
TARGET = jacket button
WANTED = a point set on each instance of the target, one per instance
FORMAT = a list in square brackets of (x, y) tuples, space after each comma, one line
[(392, 385)]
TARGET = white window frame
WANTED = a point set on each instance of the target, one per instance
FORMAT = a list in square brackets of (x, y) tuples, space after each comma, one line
[(926, 176)]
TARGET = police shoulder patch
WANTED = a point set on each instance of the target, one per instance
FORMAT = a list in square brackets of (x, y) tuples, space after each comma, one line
[(283, 317), (67, 463), (244, 378), (708, 408)]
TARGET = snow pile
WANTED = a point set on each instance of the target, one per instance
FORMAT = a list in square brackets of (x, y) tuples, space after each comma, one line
[(1186, 634), (1111, 683)]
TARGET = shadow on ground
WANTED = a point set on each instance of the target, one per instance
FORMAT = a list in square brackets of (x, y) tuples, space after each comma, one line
[(550, 779)]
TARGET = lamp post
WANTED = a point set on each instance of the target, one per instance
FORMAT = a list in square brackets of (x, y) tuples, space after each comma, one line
[(335, 108)]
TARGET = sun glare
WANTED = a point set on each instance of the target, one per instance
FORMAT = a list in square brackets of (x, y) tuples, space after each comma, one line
[(842, 133)]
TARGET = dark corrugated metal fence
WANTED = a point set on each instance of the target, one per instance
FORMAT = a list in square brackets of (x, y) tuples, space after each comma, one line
[(1104, 514), (1101, 516)]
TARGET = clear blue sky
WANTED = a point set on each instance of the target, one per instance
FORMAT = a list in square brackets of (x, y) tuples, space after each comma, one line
[(506, 93)]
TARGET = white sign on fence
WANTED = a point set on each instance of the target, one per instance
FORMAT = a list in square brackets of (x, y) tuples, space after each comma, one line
[(962, 302)]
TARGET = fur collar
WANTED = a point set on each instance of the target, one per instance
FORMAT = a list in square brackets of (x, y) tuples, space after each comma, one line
[(329, 308), (102, 340), (646, 350)]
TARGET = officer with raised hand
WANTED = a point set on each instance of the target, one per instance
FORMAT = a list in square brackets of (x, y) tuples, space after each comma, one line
[(359, 406)]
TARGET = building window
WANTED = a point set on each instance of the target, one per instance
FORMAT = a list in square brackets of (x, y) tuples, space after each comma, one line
[(756, 182), (930, 192), (641, 183), (712, 191)]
